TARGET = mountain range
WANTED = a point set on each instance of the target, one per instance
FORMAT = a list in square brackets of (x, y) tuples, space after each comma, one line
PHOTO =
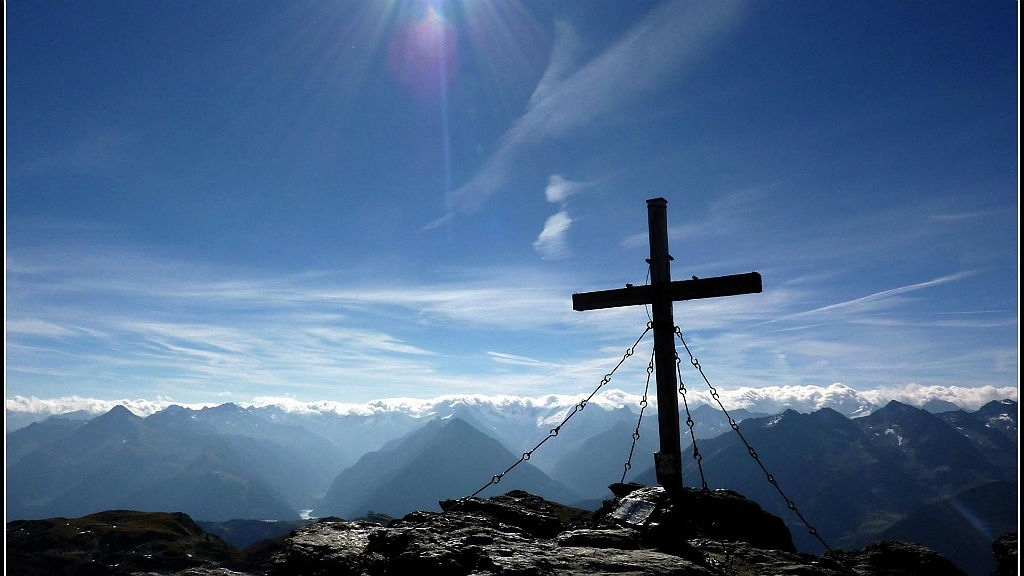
[(855, 479), (445, 459), (887, 475), (288, 458), (21, 411)]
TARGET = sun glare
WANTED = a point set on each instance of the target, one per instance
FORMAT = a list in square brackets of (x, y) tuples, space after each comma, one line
[(422, 53)]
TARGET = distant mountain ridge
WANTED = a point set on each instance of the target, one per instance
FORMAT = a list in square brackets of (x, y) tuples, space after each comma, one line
[(854, 478), (121, 461), (857, 480), (21, 411), (444, 459)]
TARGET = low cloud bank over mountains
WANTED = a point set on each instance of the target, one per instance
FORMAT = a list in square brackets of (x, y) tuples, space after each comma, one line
[(21, 411)]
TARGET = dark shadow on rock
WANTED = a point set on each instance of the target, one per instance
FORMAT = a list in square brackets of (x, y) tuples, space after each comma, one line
[(667, 520)]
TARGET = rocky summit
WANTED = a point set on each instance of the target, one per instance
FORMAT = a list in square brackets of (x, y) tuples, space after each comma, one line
[(642, 531)]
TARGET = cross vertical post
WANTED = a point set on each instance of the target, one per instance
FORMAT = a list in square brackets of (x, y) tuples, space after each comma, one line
[(668, 460), (660, 294)]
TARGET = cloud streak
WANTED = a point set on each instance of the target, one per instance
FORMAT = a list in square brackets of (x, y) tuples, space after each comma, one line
[(164, 327), (176, 329), (662, 44), (876, 301)]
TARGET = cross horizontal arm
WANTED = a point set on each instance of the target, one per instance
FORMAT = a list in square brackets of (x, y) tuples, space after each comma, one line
[(732, 285)]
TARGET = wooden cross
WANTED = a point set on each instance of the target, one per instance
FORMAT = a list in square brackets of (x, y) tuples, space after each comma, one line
[(660, 294)]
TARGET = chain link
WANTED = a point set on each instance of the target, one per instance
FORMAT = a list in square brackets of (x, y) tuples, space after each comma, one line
[(579, 406), (572, 412), (750, 450), (643, 406), (689, 424)]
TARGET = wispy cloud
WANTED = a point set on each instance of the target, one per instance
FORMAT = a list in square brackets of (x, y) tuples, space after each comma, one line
[(559, 189), (517, 360), (722, 217), (163, 326), (112, 319), (961, 216), (663, 43), (565, 52), (552, 243), (876, 301)]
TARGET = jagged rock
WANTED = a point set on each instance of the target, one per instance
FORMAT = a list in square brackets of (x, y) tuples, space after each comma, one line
[(743, 558), (200, 571), (644, 532), (1005, 550), (667, 520), (532, 513), (622, 538), (887, 558), (327, 546), (623, 489), (463, 542)]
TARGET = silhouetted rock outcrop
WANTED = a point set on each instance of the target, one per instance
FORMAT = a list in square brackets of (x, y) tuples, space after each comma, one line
[(667, 520), (113, 542), (1005, 550), (643, 531), (896, 558)]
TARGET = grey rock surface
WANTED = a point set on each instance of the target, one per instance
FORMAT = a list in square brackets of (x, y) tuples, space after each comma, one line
[(642, 532)]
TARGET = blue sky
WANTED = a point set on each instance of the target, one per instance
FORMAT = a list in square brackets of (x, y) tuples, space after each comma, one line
[(214, 201)]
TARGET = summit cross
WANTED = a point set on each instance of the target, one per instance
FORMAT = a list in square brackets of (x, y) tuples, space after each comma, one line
[(660, 294)]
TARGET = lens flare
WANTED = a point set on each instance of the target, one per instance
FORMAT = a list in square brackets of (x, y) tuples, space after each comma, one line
[(423, 53)]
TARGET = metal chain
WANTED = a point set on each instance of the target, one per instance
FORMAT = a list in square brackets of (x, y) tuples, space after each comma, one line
[(750, 450), (577, 408), (689, 424), (643, 406)]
